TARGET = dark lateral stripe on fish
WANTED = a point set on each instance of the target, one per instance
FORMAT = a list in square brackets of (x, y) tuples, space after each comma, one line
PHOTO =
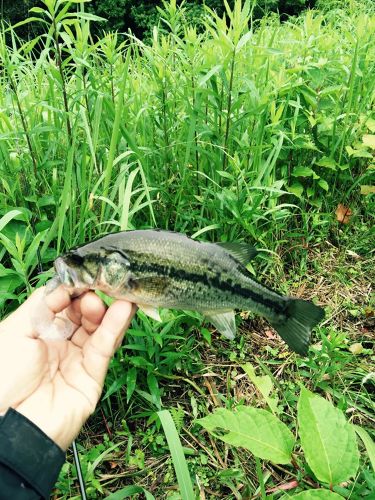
[(214, 281)]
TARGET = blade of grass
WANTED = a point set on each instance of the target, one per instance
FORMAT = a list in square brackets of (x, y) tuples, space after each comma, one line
[(178, 457)]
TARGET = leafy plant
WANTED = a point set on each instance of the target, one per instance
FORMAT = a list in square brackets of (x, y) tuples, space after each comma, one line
[(327, 439), (254, 429)]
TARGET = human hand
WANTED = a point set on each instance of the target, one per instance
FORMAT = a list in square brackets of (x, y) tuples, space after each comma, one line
[(57, 383)]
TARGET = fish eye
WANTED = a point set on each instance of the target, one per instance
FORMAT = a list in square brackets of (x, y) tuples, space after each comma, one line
[(74, 258)]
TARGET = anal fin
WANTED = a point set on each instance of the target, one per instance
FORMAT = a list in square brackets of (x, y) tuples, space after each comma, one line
[(224, 322), (150, 311)]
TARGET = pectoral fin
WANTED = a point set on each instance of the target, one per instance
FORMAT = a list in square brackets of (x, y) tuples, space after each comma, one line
[(224, 322), (150, 311)]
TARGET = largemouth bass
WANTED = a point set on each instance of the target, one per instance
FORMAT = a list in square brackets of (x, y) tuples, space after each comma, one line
[(155, 268)]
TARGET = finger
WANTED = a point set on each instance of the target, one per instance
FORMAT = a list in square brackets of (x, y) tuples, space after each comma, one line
[(58, 300), (80, 337), (100, 347), (49, 319), (73, 312), (93, 310)]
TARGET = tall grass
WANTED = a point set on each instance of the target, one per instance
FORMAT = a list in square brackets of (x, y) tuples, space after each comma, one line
[(236, 130)]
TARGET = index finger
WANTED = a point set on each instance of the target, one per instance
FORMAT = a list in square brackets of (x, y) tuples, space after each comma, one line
[(101, 345), (58, 300)]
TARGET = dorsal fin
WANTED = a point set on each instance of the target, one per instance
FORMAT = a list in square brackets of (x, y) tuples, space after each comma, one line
[(243, 252)]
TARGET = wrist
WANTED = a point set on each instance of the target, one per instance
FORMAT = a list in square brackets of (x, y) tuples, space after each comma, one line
[(61, 430)]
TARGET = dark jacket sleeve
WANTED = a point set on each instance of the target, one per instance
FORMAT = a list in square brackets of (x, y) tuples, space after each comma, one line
[(29, 460)]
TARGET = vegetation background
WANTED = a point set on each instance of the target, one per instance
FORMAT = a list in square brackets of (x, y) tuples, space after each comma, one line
[(141, 16), (231, 122)]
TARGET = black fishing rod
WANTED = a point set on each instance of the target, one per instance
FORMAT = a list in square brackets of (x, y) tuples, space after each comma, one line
[(77, 463)]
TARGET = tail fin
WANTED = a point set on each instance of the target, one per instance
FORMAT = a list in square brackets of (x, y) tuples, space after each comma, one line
[(302, 316)]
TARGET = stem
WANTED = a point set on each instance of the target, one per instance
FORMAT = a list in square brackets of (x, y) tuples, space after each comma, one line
[(165, 129), (260, 478), (195, 131), (229, 109), (24, 125), (59, 64), (112, 85)]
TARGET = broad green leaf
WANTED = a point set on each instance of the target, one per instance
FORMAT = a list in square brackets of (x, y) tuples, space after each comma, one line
[(243, 40), (26, 21), (37, 10), (369, 140), (9, 283), (370, 124), (309, 94), (296, 188), (129, 492), (8, 217), (254, 429), (303, 172), (4, 271), (327, 439), (226, 175), (327, 162), (45, 201), (124, 220), (264, 385), (31, 256), (367, 190), (79, 1), (9, 246), (15, 227), (358, 153), (323, 184), (368, 442), (87, 16), (316, 494)]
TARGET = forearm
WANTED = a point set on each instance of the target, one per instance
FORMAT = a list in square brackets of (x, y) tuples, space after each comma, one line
[(29, 460)]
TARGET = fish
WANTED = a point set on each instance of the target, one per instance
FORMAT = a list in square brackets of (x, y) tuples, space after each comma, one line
[(164, 269)]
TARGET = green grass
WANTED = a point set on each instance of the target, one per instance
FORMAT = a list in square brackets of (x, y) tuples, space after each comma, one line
[(231, 130)]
